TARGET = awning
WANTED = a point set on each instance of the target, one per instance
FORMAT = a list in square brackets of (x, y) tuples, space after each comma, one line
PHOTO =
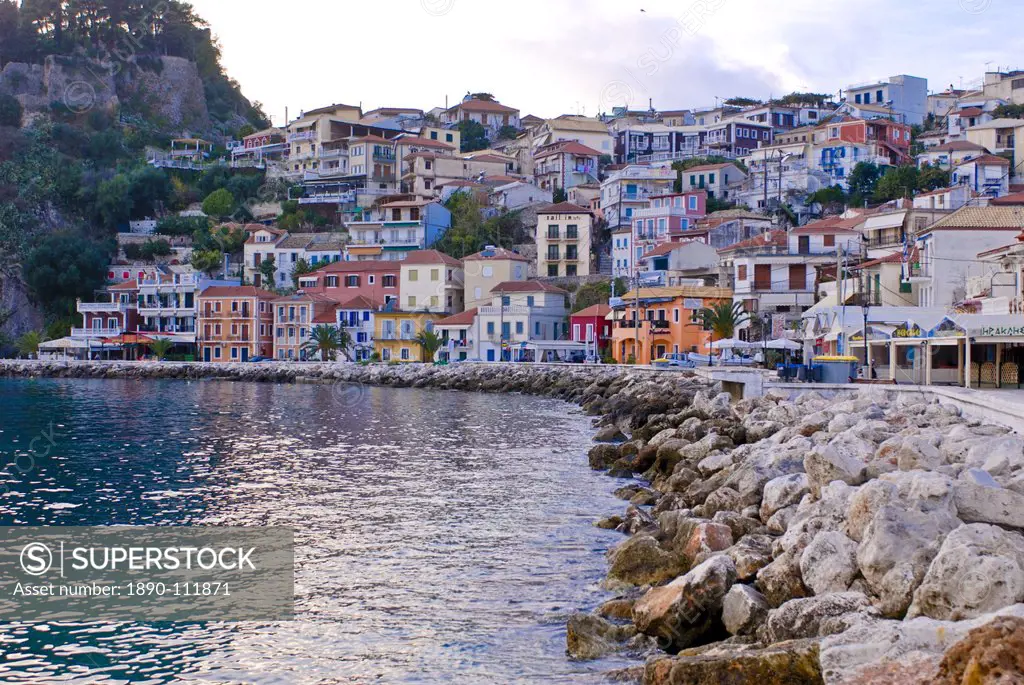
[(367, 251), (129, 339), (878, 223), (64, 344)]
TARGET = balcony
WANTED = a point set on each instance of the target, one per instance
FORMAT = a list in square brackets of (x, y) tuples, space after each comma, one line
[(95, 333), (509, 310), (93, 307), (297, 137)]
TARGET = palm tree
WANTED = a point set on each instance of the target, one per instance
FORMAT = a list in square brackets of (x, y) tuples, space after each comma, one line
[(430, 342), (722, 319), (324, 340), (28, 344), (161, 347)]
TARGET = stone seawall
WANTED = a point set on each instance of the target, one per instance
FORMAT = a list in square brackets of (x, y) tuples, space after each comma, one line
[(868, 539)]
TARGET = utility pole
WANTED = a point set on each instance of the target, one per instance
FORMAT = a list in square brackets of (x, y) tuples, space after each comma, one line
[(839, 294), (765, 205)]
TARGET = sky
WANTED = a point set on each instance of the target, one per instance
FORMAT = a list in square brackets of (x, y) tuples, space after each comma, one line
[(551, 57)]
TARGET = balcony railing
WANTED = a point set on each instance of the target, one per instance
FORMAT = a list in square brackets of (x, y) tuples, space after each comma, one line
[(84, 307), (305, 135), (95, 333)]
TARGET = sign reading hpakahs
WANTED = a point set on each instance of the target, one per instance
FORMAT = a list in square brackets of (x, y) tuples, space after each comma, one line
[(146, 574)]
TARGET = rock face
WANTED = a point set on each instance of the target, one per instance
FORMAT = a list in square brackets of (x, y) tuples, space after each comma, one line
[(744, 609), (979, 569), (640, 560), (592, 637), (788, 663), (993, 653)]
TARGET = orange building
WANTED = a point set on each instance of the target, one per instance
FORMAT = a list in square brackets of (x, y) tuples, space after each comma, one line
[(666, 321), (235, 323)]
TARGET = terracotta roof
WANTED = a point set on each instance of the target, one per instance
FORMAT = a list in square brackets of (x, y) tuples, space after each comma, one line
[(357, 302), (430, 257), (566, 146), (358, 267), (563, 208), (986, 159), (938, 191), (973, 218), (826, 226), (601, 310), (958, 146), (328, 110), (327, 316), (304, 297), (501, 180), (685, 291), (127, 285), (371, 139), (970, 112), (527, 287), (495, 254), (461, 183), (484, 106), (489, 158), (406, 203), (1011, 199), (461, 319), (665, 248), (423, 142), (768, 239), (571, 122), (237, 291)]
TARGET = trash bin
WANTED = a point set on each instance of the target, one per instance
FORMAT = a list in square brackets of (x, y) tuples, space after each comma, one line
[(835, 369)]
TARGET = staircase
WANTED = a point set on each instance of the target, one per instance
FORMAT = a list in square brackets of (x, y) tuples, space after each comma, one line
[(604, 262)]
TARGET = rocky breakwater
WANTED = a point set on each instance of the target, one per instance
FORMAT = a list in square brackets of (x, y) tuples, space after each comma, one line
[(815, 540)]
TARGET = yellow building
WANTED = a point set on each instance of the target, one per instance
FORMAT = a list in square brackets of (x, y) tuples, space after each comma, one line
[(563, 240), (489, 267), (1000, 136), (395, 334), (431, 281), (308, 133)]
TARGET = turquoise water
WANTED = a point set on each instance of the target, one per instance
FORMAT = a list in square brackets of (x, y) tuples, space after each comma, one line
[(441, 536)]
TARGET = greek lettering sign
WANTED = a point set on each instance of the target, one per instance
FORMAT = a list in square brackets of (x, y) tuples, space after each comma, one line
[(947, 328), (907, 330), (998, 331), (693, 303)]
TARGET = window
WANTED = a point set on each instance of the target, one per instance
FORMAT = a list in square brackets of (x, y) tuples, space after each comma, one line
[(529, 300), (490, 328), (857, 98), (571, 232), (412, 301), (711, 179), (553, 232), (389, 281), (434, 300), (741, 272), (879, 98), (804, 244), (553, 252), (433, 135), (552, 270), (692, 201), (519, 327), (537, 328), (449, 138), (405, 353), (216, 353), (435, 274), (675, 315), (234, 353), (570, 270), (371, 279), (830, 241), (797, 276)]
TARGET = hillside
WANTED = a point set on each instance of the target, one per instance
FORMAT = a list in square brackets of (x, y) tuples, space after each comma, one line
[(84, 89)]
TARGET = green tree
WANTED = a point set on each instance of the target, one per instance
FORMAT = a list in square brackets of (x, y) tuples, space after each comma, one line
[(114, 202), (559, 195), (63, 267), (742, 102), (722, 319), (324, 341), (507, 133), (832, 199), (246, 130), (430, 341), (301, 268), (10, 110), (932, 178), (474, 136), (863, 180), (161, 347), (206, 261), (268, 269), (466, 234), (1008, 112), (219, 204), (29, 342), (897, 182), (150, 189)]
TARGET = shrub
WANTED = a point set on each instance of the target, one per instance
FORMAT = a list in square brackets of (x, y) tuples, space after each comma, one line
[(10, 111)]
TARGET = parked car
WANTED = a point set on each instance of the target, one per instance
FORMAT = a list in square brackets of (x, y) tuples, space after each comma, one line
[(673, 359), (576, 357), (258, 358)]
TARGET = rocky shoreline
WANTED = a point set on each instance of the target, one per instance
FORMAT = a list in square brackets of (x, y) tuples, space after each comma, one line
[(868, 540)]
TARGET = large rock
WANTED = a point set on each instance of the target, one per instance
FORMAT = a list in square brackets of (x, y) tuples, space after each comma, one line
[(865, 503), (603, 455), (836, 461), (685, 609), (816, 616), (829, 563), (895, 551), (706, 539), (980, 504), (744, 609), (592, 637), (789, 663), (780, 580), (979, 569), (751, 554), (610, 434), (782, 492), (918, 453), (640, 560), (993, 653), (886, 652)]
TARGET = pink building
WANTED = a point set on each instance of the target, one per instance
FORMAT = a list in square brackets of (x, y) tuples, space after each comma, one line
[(667, 218)]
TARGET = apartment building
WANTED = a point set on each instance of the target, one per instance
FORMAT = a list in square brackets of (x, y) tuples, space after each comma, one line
[(431, 281), (652, 322), (376, 280), (720, 181), (1001, 136), (394, 229), (904, 96), (425, 172), (950, 154), (356, 317), (564, 240), (841, 145), (629, 189), (484, 270), (395, 333), (565, 165), (114, 312), (235, 323), (294, 317), (521, 314), (490, 114), (666, 219), (459, 333), (287, 249), (168, 306), (984, 175)]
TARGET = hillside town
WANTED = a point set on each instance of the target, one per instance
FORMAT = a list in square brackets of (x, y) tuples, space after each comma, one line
[(884, 224)]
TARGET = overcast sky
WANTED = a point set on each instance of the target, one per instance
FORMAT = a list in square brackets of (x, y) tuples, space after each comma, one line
[(549, 57)]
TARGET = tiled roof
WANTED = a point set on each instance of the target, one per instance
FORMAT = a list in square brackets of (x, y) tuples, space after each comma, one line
[(491, 157), (958, 146), (430, 257), (358, 267), (495, 254), (1011, 199), (328, 316), (484, 106), (357, 302), (1000, 123), (566, 146), (768, 239), (527, 287), (371, 139), (563, 208), (665, 248), (970, 112), (237, 291), (894, 258), (993, 217), (461, 319), (304, 297), (708, 167), (569, 122), (329, 109), (686, 291), (986, 159), (827, 226), (594, 310), (423, 142)]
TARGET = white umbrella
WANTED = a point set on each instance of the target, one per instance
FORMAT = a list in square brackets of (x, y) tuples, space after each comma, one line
[(731, 344), (784, 344)]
